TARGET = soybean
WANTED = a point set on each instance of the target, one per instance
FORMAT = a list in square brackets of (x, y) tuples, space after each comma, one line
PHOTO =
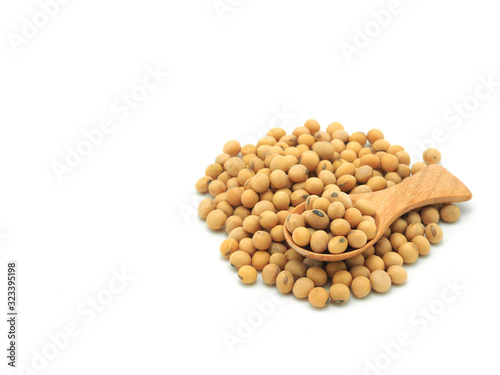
[(270, 273), (318, 275), (318, 219), (206, 206), (297, 268), (432, 156), (450, 213), (319, 241), (359, 271), (247, 274), (301, 236), (380, 281), (339, 294), (392, 259), (318, 297), (423, 245), (228, 247), (338, 245), (434, 233), (357, 238), (284, 282), (262, 240), (397, 274), (216, 219), (429, 215), (343, 277), (409, 252), (340, 227), (361, 286), (332, 268), (413, 230), (279, 260), (260, 259), (374, 263), (302, 287), (239, 259)]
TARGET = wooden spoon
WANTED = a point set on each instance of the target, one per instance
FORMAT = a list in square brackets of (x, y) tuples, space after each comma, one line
[(433, 184)]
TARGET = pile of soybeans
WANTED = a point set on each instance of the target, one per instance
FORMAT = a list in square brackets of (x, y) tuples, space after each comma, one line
[(254, 188)]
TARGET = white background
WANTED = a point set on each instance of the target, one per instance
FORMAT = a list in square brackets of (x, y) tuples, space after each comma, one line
[(130, 204)]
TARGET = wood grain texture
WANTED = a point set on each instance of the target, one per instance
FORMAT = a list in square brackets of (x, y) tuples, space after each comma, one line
[(433, 184)]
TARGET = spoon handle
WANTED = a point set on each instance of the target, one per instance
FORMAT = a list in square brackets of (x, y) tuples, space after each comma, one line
[(433, 184)]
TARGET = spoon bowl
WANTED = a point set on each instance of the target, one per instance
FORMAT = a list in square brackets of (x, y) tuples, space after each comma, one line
[(433, 184)]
